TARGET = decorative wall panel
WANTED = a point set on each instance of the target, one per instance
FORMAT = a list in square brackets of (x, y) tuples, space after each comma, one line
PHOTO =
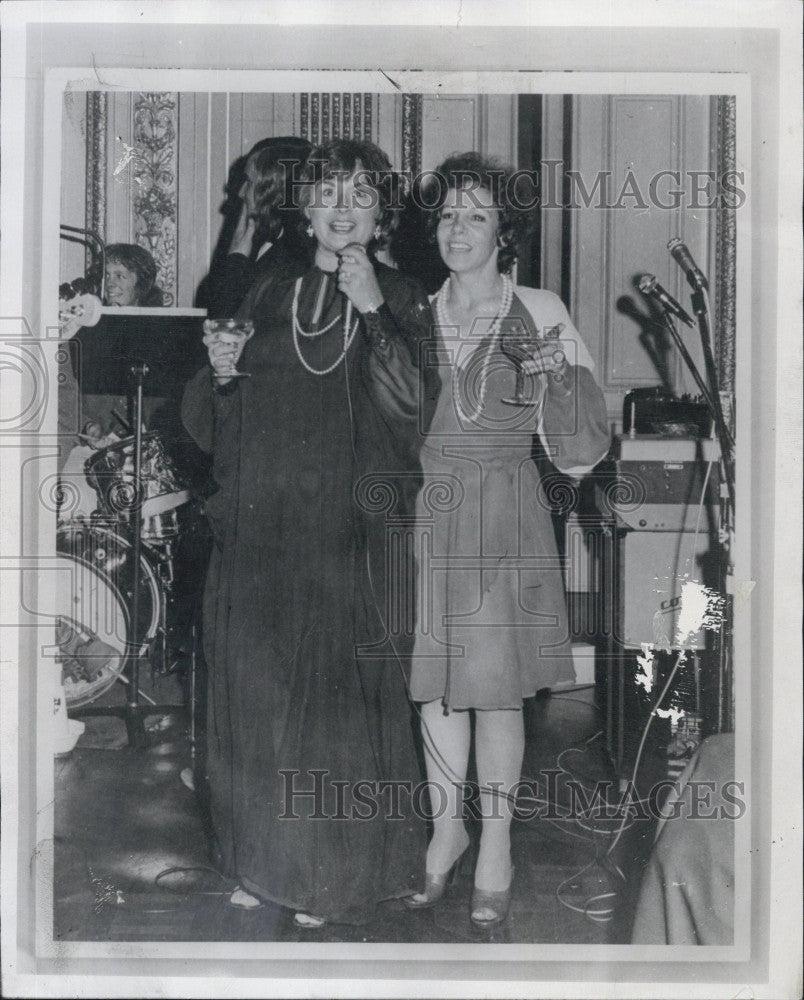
[(726, 248), (155, 133), (411, 134), (97, 169), (334, 116)]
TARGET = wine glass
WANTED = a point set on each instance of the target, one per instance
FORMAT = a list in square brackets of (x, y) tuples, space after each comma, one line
[(519, 344), (228, 331), (522, 347)]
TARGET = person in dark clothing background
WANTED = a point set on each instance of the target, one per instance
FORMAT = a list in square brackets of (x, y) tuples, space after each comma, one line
[(260, 230)]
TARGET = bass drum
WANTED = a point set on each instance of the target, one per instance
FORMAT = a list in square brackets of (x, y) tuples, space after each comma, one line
[(94, 593)]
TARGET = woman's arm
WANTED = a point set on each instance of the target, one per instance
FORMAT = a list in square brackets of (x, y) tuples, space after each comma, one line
[(400, 384), (210, 404), (207, 408), (575, 427)]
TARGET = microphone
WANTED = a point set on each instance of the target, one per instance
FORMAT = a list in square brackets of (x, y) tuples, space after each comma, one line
[(347, 305), (682, 256), (648, 285)]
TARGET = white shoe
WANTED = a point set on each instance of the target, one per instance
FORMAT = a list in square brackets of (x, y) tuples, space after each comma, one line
[(308, 921), (242, 900)]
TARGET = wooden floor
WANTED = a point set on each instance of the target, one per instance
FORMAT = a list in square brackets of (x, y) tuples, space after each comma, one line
[(132, 860)]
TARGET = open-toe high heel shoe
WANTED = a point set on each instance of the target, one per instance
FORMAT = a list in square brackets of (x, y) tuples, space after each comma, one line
[(496, 903), (435, 886)]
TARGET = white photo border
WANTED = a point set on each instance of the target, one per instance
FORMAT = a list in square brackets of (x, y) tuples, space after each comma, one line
[(44, 966)]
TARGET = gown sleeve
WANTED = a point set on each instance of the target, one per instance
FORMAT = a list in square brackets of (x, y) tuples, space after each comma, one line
[(402, 387), (206, 409), (574, 427)]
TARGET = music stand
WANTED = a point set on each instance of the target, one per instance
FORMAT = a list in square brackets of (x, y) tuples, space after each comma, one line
[(126, 340)]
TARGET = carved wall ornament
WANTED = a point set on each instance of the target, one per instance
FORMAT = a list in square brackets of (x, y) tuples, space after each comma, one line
[(154, 165)]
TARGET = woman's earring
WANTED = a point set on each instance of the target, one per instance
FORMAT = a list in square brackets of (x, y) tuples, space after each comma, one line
[(309, 230), (377, 231), (501, 244)]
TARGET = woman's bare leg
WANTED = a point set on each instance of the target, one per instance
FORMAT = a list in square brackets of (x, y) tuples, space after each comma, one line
[(499, 750), (446, 746)]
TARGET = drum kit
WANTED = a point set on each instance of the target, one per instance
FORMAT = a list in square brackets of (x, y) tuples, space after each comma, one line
[(115, 603)]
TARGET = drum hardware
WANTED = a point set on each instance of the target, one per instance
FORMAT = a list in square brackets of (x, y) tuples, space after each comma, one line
[(110, 471), (129, 498), (96, 632)]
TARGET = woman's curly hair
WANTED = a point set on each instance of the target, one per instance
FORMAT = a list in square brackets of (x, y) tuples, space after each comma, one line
[(340, 158), (473, 171)]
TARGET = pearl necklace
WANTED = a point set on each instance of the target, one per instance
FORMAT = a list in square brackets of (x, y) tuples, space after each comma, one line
[(348, 335), (444, 320)]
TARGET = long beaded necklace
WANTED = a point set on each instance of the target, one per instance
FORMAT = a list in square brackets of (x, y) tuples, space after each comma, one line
[(444, 320), (348, 335)]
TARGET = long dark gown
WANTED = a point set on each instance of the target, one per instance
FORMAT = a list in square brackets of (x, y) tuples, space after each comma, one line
[(299, 581)]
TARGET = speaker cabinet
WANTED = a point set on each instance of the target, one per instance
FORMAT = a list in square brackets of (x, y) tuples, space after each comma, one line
[(653, 568)]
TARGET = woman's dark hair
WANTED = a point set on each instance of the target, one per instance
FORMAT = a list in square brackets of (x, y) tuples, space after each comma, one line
[(138, 260), (339, 159), (473, 171), (276, 163)]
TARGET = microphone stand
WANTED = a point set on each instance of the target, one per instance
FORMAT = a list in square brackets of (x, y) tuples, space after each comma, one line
[(725, 685), (87, 237), (723, 433), (685, 354), (726, 441), (134, 712)]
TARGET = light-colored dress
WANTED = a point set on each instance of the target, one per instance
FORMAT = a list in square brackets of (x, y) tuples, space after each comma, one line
[(492, 624)]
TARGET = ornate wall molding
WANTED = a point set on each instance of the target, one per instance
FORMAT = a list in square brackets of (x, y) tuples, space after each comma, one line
[(411, 134), (155, 140), (96, 164), (335, 116), (726, 248)]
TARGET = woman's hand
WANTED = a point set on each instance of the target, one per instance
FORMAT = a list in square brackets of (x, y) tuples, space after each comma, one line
[(548, 356), (224, 353), (357, 280), (243, 236)]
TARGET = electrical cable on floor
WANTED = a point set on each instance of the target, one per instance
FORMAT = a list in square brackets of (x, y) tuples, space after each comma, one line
[(628, 817)]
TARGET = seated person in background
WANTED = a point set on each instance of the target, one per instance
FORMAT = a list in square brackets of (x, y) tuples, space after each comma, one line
[(130, 277), (260, 230)]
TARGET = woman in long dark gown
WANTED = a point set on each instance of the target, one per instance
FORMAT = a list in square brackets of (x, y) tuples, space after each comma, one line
[(307, 688)]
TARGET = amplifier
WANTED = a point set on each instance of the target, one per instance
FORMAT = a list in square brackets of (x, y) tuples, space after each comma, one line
[(663, 478)]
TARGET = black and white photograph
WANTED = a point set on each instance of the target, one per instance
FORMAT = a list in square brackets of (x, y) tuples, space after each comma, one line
[(401, 540)]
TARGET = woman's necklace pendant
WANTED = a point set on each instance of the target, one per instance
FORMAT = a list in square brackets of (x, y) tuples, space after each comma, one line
[(493, 335), (298, 331)]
